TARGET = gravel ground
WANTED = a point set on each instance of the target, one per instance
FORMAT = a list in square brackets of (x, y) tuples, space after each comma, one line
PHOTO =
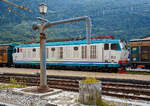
[(77, 73), (61, 99), (21, 100)]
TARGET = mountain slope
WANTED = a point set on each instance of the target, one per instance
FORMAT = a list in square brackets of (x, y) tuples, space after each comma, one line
[(125, 19)]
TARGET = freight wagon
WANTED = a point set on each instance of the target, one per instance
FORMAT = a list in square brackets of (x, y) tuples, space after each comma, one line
[(6, 51), (140, 53)]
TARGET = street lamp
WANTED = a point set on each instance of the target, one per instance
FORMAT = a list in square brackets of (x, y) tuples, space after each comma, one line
[(42, 27), (43, 77)]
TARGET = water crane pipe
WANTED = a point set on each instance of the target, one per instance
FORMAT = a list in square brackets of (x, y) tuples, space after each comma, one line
[(77, 19), (42, 27)]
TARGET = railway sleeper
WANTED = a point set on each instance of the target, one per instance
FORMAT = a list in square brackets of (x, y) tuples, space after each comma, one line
[(62, 83), (127, 91), (128, 88), (125, 96), (126, 85), (64, 88), (31, 84), (64, 80)]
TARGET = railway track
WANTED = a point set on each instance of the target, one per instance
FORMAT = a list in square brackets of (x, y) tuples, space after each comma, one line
[(136, 91)]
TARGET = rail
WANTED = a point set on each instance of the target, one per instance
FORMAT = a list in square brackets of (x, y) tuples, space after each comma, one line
[(110, 88)]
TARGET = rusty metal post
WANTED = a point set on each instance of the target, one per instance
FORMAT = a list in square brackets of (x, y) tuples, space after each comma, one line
[(43, 76), (88, 31)]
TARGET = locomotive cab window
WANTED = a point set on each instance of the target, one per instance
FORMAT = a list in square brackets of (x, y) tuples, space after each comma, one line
[(17, 50), (114, 47), (106, 46)]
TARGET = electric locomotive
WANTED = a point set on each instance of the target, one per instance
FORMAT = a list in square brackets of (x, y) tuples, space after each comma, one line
[(101, 54)]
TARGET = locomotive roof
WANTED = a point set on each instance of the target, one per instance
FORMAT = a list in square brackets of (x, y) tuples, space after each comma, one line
[(136, 40), (8, 44), (79, 42)]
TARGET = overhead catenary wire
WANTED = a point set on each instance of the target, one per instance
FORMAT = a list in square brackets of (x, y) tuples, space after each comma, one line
[(16, 5)]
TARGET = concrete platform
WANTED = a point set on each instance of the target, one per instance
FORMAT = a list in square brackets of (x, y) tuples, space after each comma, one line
[(76, 74), (57, 98), (22, 91)]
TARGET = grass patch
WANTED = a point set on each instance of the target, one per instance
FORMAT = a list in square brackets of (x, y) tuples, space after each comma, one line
[(99, 102), (90, 80), (13, 84)]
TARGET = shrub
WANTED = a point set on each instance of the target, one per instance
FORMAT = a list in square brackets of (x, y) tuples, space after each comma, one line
[(90, 80)]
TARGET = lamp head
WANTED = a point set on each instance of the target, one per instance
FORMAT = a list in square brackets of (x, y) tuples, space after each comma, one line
[(43, 8)]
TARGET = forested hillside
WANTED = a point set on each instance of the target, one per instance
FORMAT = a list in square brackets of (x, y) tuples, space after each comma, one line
[(125, 19)]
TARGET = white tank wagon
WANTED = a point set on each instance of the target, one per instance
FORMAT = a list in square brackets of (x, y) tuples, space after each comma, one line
[(101, 54)]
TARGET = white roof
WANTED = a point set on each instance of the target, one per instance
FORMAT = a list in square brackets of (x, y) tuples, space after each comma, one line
[(140, 39)]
